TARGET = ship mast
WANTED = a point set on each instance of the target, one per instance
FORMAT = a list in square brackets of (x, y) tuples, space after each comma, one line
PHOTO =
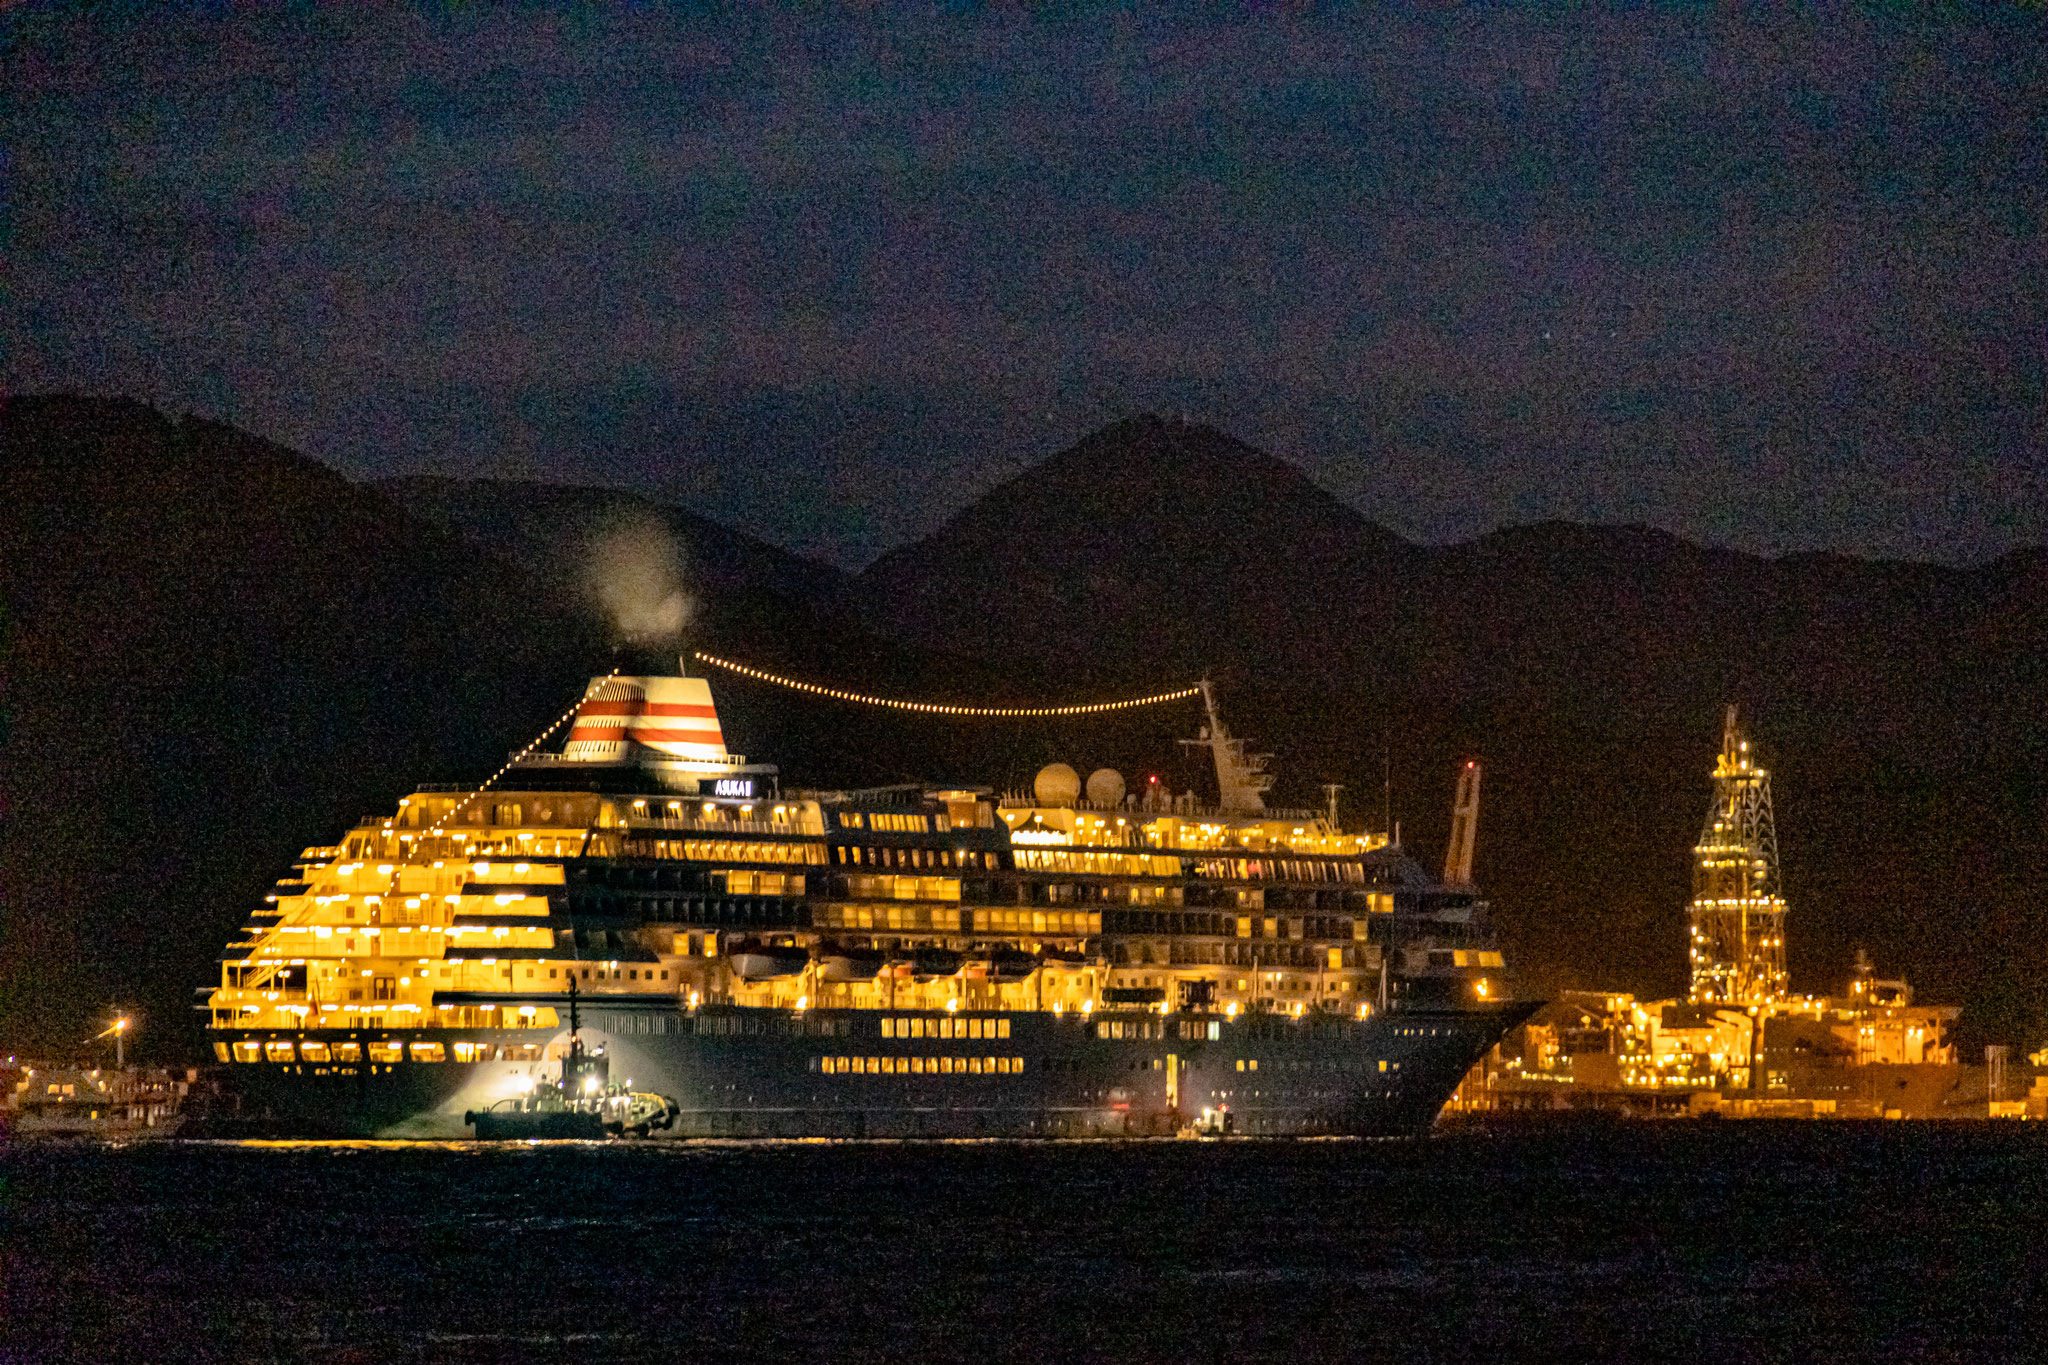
[(575, 1023), (1241, 779), (1464, 827)]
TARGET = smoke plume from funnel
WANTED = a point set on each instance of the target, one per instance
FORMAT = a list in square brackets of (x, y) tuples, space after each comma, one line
[(634, 572)]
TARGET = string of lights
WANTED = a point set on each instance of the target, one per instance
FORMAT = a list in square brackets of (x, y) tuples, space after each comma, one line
[(517, 758), (933, 708)]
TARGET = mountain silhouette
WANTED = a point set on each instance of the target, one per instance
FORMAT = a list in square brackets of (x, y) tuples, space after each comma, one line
[(220, 651), (1897, 703)]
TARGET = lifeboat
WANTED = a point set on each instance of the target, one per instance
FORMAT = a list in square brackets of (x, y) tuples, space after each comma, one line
[(836, 963), (928, 964), (1133, 995), (1010, 964), (1054, 960), (765, 962)]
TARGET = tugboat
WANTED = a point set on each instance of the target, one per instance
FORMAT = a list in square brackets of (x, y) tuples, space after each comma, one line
[(583, 1104)]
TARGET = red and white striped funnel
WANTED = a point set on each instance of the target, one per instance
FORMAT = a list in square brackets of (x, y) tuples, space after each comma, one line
[(670, 717)]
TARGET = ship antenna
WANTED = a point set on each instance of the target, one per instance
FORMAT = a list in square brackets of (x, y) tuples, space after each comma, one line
[(1387, 784), (1241, 779)]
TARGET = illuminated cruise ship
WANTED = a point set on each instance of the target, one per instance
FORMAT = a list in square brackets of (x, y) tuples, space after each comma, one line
[(1078, 960)]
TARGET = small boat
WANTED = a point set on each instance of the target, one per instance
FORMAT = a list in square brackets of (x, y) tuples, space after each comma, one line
[(1133, 995), (1054, 960), (928, 964), (838, 963), (1010, 964), (581, 1104), (552, 1114), (764, 961), (511, 1121)]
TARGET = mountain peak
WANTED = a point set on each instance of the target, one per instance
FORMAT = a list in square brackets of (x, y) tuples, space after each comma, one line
[(1160, 532), (1178, 462)]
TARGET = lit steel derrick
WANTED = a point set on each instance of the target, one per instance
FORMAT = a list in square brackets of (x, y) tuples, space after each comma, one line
[(1737, 915)]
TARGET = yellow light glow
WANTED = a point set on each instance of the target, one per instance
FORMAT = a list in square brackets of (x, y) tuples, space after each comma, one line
[(943, 709)]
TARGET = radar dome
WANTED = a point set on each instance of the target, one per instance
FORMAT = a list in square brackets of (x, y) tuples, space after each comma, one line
[(1056, 785), (1105, 787)]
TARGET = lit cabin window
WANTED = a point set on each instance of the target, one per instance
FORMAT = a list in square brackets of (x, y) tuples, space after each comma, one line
[(916, 1066)]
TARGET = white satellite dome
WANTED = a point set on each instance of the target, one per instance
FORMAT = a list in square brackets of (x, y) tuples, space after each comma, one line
[(1105, 787), (1056, 785)]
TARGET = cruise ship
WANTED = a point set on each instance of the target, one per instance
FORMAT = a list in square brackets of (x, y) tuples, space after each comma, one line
[(647, 912)]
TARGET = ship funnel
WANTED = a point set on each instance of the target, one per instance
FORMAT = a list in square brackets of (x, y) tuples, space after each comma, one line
[(674, 717)]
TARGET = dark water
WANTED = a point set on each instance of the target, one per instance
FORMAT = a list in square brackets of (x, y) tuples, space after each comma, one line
[(1709, 1242)]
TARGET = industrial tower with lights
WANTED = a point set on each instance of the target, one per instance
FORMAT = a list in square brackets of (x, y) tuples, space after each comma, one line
[(1738, 913)]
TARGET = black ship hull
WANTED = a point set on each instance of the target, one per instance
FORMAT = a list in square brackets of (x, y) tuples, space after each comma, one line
[(749, 1073)]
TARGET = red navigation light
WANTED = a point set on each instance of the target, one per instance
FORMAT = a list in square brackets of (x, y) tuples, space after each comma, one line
[(1153, 778), (1470, 764)]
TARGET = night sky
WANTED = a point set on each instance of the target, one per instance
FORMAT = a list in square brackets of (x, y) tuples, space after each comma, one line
[(1774, 284)]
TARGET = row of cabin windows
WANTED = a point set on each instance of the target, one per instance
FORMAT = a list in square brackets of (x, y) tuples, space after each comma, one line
[(740, 882), (712, 813), (1024, 891), (1176, 952), (1304, 927), (863, 856), (913, 1026), (1099, 862), (1317, 1065), (961, 814), (386, 987), (422, 811), (896, 822), (1190, 1030), (1280, 869), (917, 1066), (911, 918), (384, 1050), (726, 850)]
